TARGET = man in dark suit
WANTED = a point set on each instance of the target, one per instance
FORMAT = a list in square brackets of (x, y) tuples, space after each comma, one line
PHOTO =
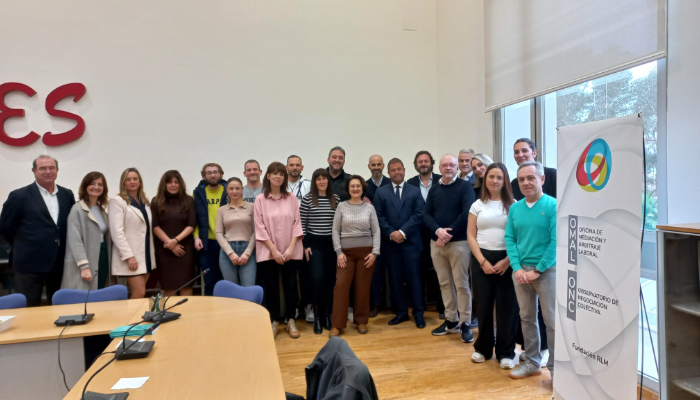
[(34, 222), (400, 213), (377, 180), (424, 162)]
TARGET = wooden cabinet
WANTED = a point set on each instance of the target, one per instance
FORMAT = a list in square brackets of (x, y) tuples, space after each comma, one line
[(678, 252)]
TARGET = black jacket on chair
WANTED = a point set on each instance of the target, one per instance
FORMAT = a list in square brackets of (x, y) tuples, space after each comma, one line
[(337, 374), (37, 241)]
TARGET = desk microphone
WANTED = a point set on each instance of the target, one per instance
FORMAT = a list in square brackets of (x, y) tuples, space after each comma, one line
[(140, 349), (78, 319), (112, 396), (164, 316)]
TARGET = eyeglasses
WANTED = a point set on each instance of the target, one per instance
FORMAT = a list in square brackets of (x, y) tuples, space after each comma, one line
[(448, 165), (211, 173)]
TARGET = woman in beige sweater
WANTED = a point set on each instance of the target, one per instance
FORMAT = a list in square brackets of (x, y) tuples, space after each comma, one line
[(235, 232)]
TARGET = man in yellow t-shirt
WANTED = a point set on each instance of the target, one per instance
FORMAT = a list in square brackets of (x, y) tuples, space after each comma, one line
[(209, 195)]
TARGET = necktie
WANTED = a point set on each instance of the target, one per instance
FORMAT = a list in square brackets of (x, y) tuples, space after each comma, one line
[(398, 195)]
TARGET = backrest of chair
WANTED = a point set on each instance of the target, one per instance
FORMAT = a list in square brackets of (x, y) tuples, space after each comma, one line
[(15, 300), (73, 296), (228, 289)]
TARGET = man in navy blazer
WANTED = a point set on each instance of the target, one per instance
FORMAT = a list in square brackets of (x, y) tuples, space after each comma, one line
[(400, 213), (34, 222)]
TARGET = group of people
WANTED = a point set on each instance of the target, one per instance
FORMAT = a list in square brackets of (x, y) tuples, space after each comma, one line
[(490, 241)]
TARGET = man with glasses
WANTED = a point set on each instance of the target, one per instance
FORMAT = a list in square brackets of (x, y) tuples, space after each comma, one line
[(209, 195), (446, 212)]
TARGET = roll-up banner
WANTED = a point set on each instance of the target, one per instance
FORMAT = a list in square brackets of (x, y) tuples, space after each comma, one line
[(599, 222)]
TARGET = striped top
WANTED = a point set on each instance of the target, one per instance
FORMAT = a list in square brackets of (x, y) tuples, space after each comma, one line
[(317, 220)]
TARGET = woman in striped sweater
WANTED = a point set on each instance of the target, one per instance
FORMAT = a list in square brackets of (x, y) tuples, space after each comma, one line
[(317, 211)]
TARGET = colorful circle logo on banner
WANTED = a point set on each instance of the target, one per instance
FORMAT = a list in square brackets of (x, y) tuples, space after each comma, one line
[(594, 166)]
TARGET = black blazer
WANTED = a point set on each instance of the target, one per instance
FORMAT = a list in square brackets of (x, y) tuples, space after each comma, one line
[(38, 243), (372, 187), (405, 215), (415, 181)]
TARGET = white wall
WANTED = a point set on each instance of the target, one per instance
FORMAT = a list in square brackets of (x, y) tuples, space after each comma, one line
[(175, 84), (683, 126), (460, 69)]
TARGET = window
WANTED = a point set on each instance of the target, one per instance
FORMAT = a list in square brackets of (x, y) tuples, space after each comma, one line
[(516, 125), (620, 94), (616, 95)]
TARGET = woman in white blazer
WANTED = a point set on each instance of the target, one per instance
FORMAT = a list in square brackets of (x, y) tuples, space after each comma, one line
[(133, 254)]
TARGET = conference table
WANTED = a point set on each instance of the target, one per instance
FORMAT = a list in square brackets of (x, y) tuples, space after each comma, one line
[(219, 348)]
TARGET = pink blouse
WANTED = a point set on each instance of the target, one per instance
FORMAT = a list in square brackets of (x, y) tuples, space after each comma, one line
[(277, 220)]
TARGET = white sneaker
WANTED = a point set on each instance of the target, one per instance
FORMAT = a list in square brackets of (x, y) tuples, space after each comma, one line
[(275, 329), (309, 313), (508, 363), (545, 358), (351, 315), (478, 357)]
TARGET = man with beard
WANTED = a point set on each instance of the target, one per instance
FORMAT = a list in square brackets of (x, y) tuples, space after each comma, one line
[(423, 162), (253, 187), (377, 180), (336, 162), (209, 195), (296, 184)]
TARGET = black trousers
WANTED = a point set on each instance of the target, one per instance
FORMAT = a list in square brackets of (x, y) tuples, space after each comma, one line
[(322, 269), (498, 289), (305, 288), (268, 273), (404, 266), (31, 285)]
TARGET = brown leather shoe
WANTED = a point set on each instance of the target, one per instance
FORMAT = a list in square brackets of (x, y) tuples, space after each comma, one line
[(362, 329), (292, 329), (374, 311), (334, 332)]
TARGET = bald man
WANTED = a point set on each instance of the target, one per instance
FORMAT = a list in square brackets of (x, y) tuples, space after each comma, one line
[(377, 180), (445, 214)]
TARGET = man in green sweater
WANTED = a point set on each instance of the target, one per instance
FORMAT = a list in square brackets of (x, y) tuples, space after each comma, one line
[(531, 242)]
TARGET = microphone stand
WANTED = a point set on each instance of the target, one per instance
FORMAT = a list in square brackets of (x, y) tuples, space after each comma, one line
[(165, 316)]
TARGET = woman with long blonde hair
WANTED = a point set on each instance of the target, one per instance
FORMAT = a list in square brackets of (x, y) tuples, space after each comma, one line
[(130, 221)]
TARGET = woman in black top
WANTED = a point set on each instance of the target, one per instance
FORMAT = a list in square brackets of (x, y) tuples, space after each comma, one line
[(317, 210)]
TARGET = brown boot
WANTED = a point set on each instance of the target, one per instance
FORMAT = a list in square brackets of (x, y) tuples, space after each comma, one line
[(334, 332), (362, 329), (292, 329)]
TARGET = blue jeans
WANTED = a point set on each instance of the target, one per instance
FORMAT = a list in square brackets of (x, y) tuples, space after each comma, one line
[(209, 258), (543, 288), (243, 275)]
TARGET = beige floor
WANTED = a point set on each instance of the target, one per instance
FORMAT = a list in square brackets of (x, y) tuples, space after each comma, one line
[(409, 363)]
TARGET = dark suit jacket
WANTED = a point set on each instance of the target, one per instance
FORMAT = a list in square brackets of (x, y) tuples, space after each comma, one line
[(549, 188), (372, 187), (405, 215), (336, 373), (415, 181), (37, 242)]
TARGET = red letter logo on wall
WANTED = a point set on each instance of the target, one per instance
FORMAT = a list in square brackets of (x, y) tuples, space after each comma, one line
[(50, 139)]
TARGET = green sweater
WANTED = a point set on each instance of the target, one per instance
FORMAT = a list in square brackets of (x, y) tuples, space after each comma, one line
[(531, 234)]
